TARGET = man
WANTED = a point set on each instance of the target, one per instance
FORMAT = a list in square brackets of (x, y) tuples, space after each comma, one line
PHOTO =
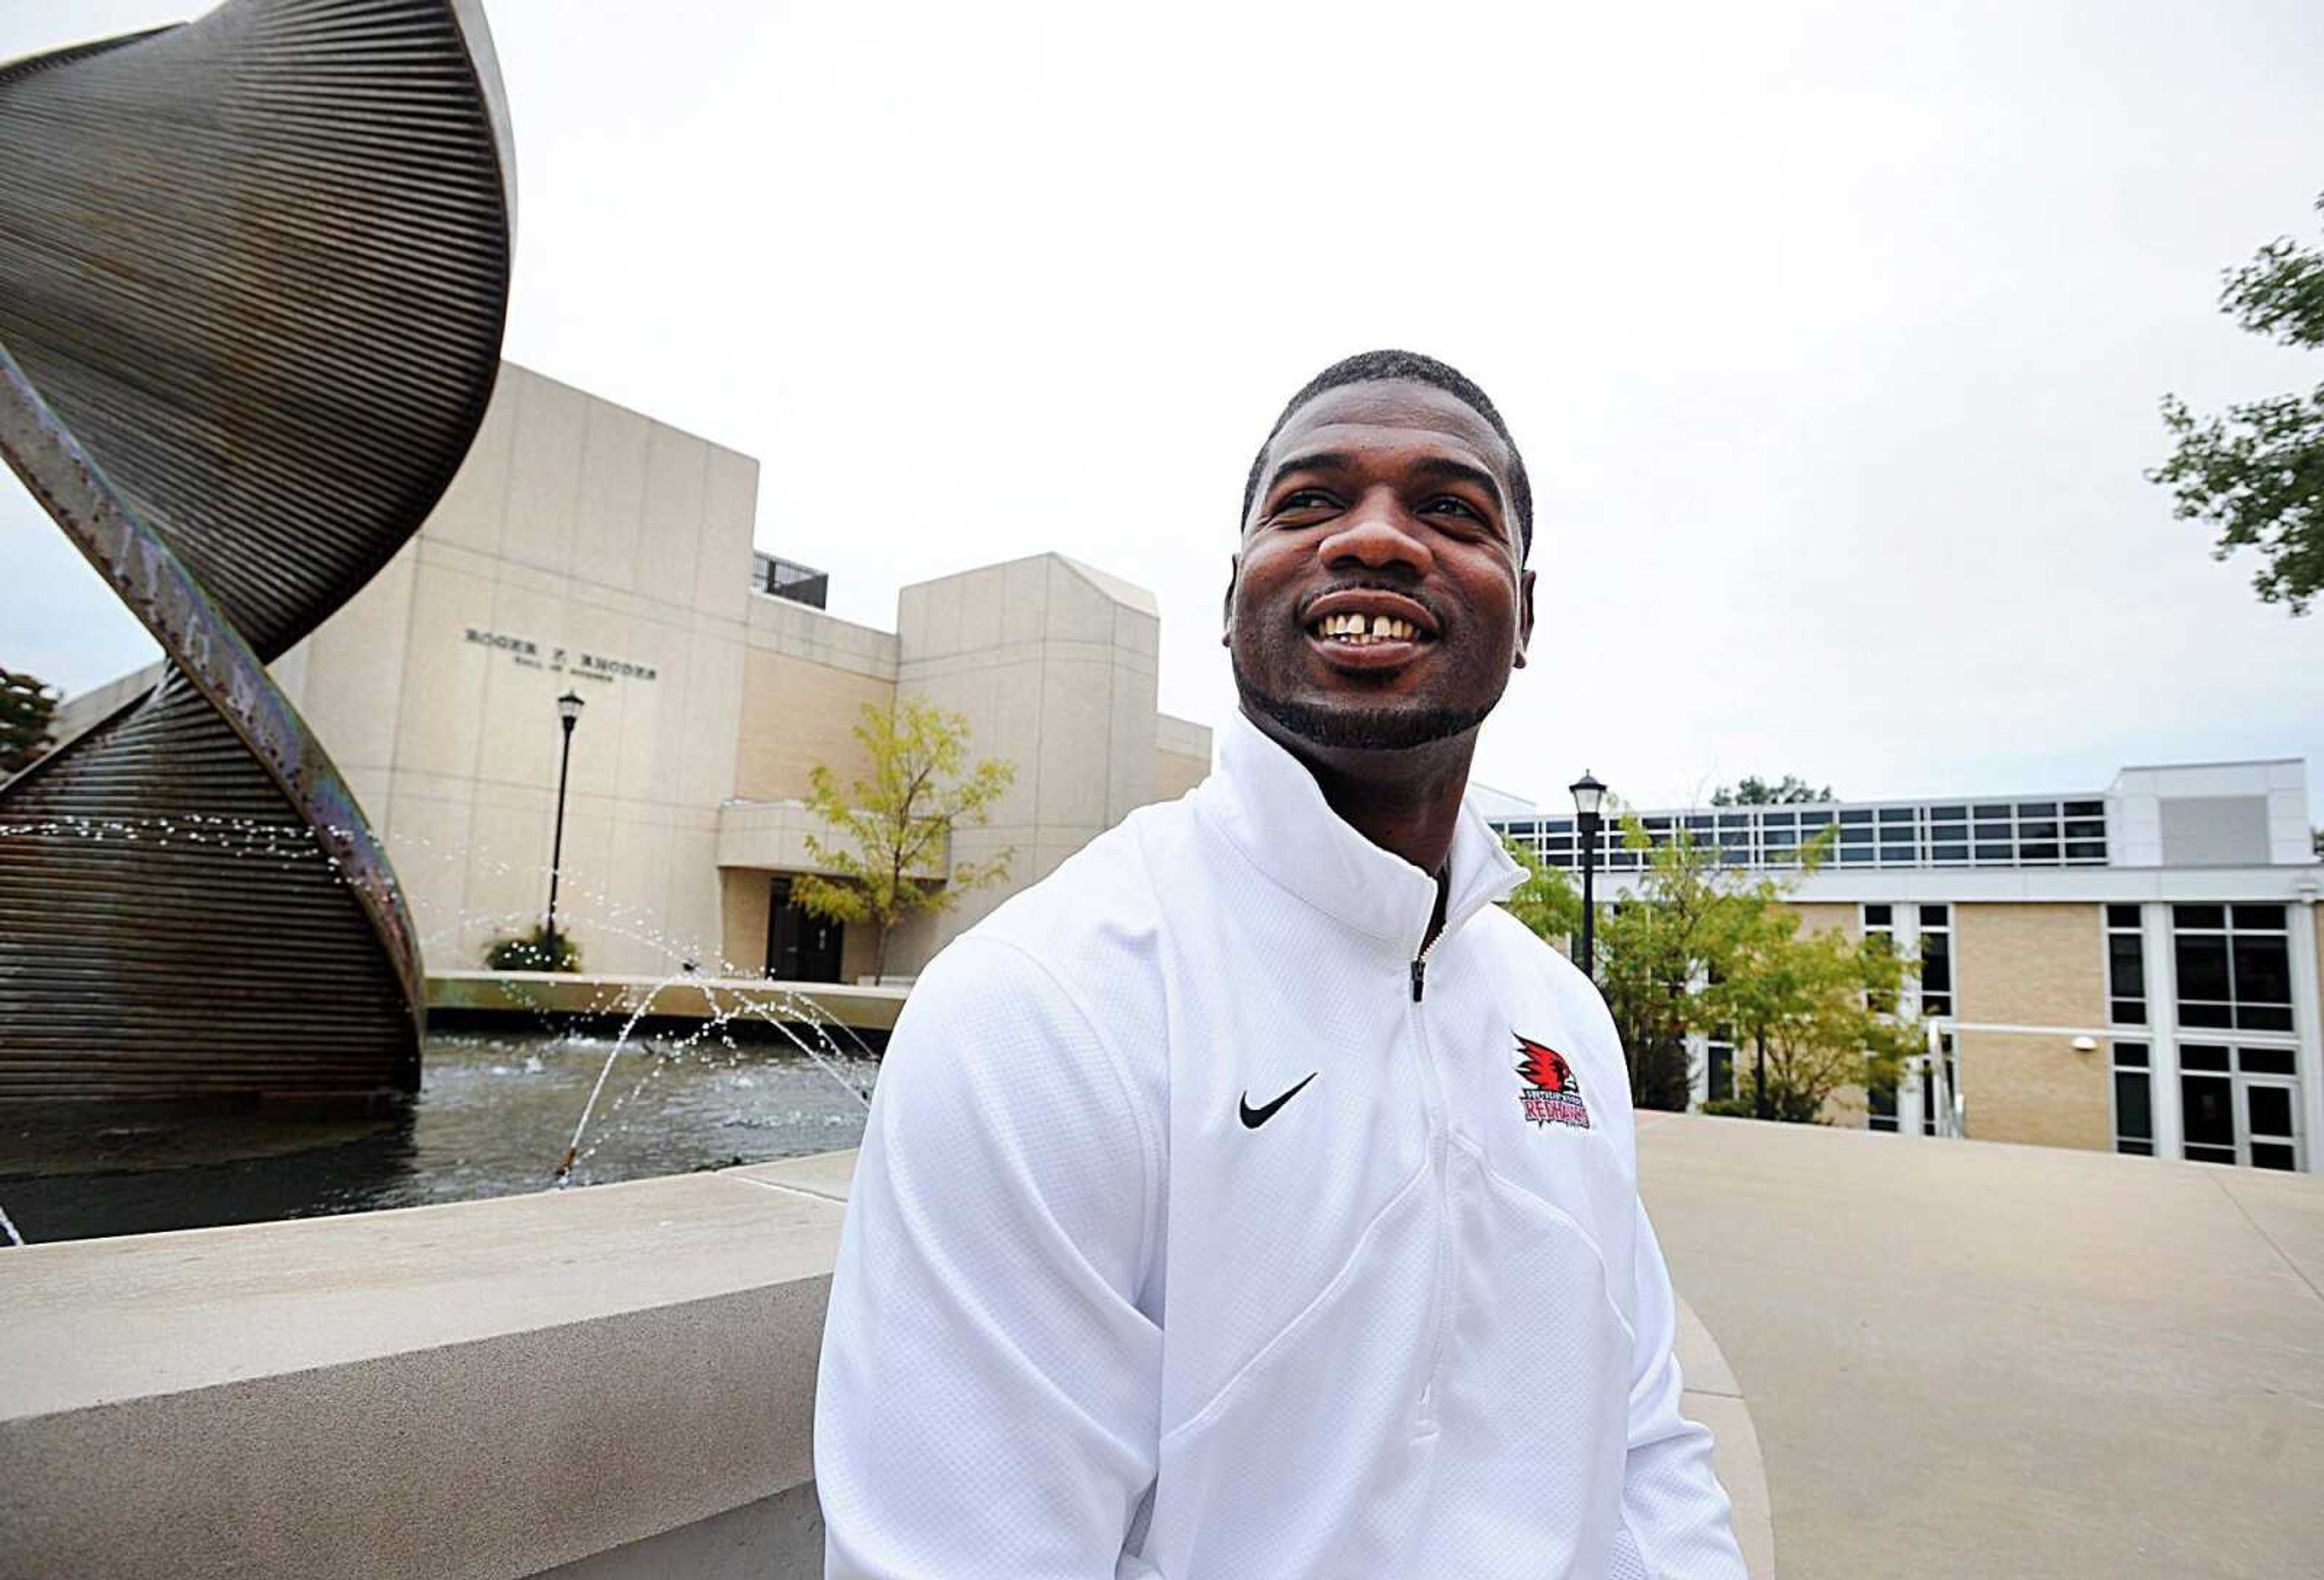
[(1253, 1196)]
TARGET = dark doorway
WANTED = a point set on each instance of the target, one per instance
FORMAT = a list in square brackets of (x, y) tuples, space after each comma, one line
[(801, 947)]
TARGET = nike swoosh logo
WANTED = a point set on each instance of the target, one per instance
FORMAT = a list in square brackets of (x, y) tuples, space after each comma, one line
[(1252, 1119)]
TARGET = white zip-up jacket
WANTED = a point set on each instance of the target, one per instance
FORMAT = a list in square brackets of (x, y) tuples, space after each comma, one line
[(1204, 1229)]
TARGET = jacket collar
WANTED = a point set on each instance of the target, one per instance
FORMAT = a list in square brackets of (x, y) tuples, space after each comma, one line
[(1270, 807)]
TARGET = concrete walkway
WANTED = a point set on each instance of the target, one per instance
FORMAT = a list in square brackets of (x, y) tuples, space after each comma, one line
[(1966, 1359)]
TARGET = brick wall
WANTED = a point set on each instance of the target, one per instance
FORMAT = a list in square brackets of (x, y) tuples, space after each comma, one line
[(2030, 1087), (2029, 965)]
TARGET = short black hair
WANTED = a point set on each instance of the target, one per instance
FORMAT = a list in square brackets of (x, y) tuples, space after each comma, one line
[(1374, 366)]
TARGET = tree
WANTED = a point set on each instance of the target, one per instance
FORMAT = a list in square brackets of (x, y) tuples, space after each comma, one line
[(27, 707), (1815, 1009), (1680, 930), (2258, 473), (890, 828), (1753, 791), (1546, 902)]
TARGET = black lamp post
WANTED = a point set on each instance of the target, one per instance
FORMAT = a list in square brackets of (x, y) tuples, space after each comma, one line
[(1589, 794), (568, 715)]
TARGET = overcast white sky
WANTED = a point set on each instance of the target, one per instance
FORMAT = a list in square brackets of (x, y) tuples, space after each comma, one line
[(1832, 333)]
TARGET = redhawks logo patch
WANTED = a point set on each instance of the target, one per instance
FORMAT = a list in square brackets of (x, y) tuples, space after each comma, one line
[(1551, 1096)]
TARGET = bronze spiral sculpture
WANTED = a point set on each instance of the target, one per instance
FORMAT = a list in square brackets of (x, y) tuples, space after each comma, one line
[(253, 274)]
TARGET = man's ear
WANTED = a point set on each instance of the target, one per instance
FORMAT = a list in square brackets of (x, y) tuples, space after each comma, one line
[(1226, 605), (1524, 616)]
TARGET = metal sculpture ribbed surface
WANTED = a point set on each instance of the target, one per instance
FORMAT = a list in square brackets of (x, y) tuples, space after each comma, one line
[(253, 272)]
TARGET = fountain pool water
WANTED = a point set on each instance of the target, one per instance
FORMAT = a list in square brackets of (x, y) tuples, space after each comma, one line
[(494, 1113)]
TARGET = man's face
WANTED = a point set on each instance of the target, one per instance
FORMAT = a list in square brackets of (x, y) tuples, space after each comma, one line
[(1378, 603)]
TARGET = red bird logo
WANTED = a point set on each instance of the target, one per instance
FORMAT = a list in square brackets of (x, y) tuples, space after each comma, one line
[(1551, 1096)]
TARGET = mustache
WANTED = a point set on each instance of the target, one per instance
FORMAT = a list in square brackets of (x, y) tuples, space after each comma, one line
[(1375, 584)]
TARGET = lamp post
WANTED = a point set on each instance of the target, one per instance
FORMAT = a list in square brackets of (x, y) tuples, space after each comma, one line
[(1589, 794), (568, 715)]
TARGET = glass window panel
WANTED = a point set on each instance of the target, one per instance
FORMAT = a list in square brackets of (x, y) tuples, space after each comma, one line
[(2086, 808), (1936, 1004), (2122, 916), (2213, 1016), (2127, 964), (2085, 850), (1949, 852), (2037, 809), (2133, 1117), (1779, 820), (1700, 820), (1879, 915), (2269, 1109), (1889, 814), (2265, 1060), (2259, 918), (2208, 1113), (2273, 1154), (1862, 814), (2001, 853), (2048, 852), (2212, 916), (1652, 823), (1815, 820), (1936, 915), (2263, 1018), (2202, 966), (1989, 809), (1936, 963), (2202, 1057), (2129, 1012), (2132, 1055), (1948, 814), (1559, 825), (2082, 829), (1993, 830), (2144, 1149), (2210, 1155), (2037, 830), (1734, 819), (2262, 968)]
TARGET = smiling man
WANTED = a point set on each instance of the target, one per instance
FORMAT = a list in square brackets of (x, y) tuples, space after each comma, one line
[(1253, 1196)]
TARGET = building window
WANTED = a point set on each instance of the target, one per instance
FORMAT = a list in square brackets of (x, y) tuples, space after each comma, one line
[(2126, 942), (1719, 1066), (1997, 833), (2235, 966), (1880, 929), (2133, 1096), (1937, 959), (2240, 1106), (1880, 1100)]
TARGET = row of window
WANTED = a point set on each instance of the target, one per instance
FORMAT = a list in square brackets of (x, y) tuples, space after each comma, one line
[(2233, 965), (2236, 1104), (2006, 833)]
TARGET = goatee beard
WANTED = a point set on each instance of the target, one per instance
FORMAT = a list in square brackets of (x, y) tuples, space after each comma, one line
[(1356, 727)]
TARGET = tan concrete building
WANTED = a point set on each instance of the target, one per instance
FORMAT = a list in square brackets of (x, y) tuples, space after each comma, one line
[(2134, 969), (585, 549)]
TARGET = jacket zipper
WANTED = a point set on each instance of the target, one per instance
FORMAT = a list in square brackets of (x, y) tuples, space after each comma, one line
[(1432, 1099)]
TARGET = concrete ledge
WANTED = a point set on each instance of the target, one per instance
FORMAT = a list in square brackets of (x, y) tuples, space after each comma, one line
[(862, 1009), (487, 1389), (609, 1383)]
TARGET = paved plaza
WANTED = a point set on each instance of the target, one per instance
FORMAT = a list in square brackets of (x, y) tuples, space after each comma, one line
[(1967, 1359)]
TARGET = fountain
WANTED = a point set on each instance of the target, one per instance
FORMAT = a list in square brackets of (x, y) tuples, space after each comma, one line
[(248, 328)]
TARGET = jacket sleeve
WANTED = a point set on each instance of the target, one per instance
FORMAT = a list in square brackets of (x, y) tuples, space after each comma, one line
[(1675, 1512), (988, 1396)]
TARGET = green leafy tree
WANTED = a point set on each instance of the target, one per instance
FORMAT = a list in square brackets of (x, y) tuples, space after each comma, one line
[(1753, 791), (1813, 1008), (2257, 474), (1546, 902), (27, 708), (1681, 928), (889, 830)]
